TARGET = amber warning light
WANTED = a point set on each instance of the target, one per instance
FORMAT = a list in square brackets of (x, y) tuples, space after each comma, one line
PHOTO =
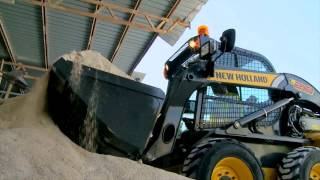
[(203, 30), (166, 71), (194, 44)]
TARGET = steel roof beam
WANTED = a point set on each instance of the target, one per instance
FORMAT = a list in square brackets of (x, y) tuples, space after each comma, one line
[(45, 33), (7, 42), (160, 25), (115, 19), (24, 66), (136, 12), (25, 76), (124, 33), (93, 28)]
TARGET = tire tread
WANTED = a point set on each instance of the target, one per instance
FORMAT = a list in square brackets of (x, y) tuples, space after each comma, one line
[(194, 159), (290, 165)]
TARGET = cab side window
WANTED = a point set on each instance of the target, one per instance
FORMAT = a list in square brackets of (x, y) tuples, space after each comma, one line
[(254, 65), (223, 104), (226, 60), (189, 114), (190, 106), (218, 107)]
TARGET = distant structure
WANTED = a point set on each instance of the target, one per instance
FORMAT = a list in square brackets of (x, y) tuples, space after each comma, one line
[(138, 76)]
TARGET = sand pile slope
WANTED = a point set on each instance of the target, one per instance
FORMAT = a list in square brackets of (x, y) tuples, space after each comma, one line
[(32, 147), (94, 59)]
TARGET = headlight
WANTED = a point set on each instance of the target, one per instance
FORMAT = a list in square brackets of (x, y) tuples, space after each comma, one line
[(194, 44), (166, 71)]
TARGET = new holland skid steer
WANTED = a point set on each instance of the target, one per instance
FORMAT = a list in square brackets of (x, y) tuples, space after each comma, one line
[(227, 115)]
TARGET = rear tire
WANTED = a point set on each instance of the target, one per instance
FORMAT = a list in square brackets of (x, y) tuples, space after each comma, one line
[(302, 163), (215, 159)]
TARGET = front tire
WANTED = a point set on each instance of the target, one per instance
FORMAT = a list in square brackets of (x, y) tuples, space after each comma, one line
[(302, 163), (216, 159)]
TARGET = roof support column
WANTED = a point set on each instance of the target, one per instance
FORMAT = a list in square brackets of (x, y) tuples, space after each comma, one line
[(1, 69), (93, 27), (45, 32), (7, 42)]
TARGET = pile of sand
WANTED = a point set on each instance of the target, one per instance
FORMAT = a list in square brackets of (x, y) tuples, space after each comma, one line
[(33, 147), (94, 59)]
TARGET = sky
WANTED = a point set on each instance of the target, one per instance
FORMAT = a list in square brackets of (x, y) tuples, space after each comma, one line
[(287, 32)]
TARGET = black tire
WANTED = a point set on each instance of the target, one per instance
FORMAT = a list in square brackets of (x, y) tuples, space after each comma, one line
[(204, 157), (298, 163)]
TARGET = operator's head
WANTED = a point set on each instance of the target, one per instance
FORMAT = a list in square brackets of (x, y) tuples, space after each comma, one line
[(203, 30)]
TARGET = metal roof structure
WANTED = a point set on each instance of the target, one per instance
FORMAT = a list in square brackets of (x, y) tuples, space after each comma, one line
[(35, 33)]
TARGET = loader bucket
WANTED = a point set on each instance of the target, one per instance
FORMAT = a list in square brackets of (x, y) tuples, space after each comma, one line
[(124, 111)]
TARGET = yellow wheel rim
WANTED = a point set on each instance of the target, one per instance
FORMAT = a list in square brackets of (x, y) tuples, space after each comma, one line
[(231, 168), (315, 172)]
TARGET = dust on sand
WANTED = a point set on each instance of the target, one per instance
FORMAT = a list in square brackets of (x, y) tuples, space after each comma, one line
[(33, 147)]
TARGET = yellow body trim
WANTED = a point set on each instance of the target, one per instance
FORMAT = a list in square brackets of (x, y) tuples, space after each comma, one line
[(316, 127), (314, 137), (270, 173), (232, 168), (243, 77), (315, 172)]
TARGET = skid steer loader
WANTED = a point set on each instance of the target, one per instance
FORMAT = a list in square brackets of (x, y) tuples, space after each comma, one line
[(227, 115)]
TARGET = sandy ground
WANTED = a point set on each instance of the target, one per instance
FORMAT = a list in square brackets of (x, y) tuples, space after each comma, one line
[(33, 147)]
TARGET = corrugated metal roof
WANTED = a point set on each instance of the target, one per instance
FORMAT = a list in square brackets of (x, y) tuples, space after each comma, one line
[(131, 48), (22, 23), (67, 31), (187, 9), (107, 35), (137, 41)]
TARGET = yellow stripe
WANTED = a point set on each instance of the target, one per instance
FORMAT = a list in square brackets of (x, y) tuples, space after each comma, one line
[(269, 173), (315, 137), (243, 77)]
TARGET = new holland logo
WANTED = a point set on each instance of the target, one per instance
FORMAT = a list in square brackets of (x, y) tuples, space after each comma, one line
[(242, 77), (301, 87)]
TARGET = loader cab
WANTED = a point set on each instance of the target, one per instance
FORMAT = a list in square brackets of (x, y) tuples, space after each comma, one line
[(215, 104), (223, 100), (195, 105)]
